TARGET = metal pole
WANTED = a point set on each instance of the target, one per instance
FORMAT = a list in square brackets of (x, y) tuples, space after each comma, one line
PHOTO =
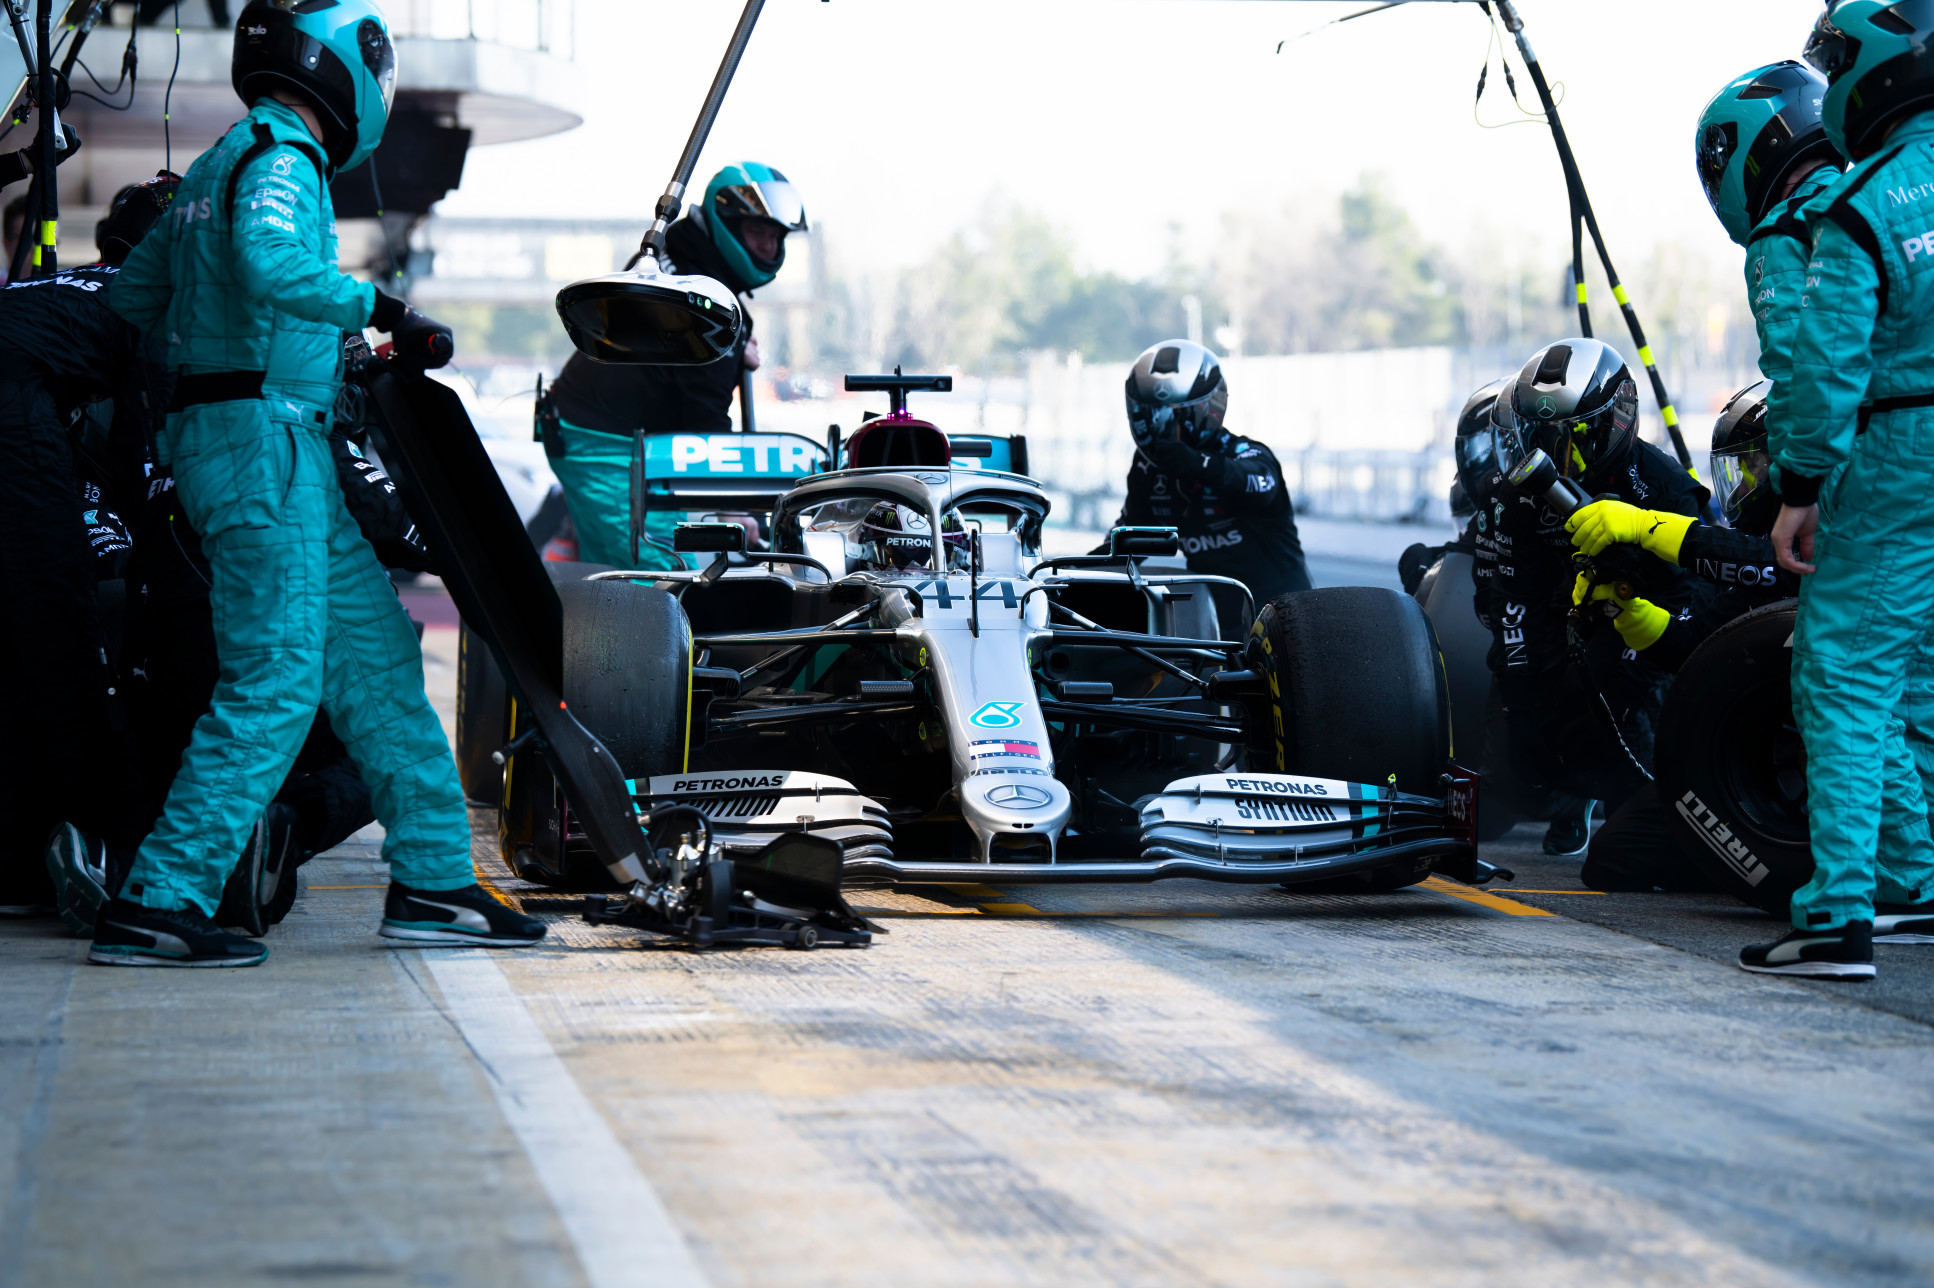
[(747, 423), (668, 204)]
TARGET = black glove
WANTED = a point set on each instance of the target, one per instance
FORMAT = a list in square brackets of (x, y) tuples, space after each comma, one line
[(1173, 458), (418, 341)]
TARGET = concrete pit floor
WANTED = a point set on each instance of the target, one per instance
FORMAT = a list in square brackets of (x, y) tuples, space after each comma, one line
[(1183, 1084)]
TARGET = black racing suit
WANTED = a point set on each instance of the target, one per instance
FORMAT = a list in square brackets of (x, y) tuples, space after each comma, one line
[(1636, 850), (1234, 514), (617, 398), (1558, 737), (65, 751)]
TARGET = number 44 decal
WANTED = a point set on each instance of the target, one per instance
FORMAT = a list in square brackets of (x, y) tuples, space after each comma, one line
[(997, 715), (937, 591)]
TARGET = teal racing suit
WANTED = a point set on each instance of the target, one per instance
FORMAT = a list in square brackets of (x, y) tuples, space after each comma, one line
[(1853, 429), (240, 280), (1776, 255)]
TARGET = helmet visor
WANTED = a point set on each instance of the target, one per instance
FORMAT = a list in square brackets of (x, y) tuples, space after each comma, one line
[(1717, 143), (773, 199), (1829, 50), (1507, 436), (1736, 475)]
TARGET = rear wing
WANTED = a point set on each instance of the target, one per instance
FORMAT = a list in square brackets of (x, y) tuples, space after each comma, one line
[(989, 452), (723, 472)]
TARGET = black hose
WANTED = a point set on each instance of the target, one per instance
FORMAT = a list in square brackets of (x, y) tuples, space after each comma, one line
[(46, 229)]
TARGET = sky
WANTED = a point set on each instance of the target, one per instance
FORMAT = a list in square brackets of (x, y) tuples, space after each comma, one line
[(899, 119)]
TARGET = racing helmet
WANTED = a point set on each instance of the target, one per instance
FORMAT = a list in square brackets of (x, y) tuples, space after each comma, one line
[(1757, 133), (335, 54), (1740, 462), (134, 210), (1176, 390), (1577, 400), (1879, 68), (896, 538), (1477, 441), (749, 190)]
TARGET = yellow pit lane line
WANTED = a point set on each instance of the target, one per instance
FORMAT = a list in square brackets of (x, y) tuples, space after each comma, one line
[(1444, 885)]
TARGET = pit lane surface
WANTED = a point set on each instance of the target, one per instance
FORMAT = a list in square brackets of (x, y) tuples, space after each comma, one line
[(1178, 1084)]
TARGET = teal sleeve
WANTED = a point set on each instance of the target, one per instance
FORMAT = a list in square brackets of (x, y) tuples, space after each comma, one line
[(278, 204), (144, 285), (1813, 416), (1775, 272)]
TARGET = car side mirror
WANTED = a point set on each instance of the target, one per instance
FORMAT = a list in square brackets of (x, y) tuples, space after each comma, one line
[(708, 539), (1135, 542)]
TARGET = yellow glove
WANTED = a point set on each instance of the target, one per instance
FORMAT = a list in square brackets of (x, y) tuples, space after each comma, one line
[(1610, 523), (1639, 622)]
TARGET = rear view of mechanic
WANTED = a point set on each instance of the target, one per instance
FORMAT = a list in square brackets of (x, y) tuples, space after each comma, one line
[(1852, 438), (1224, 494), (65, 751), (1577, 401), (594, 411), (241, 280), (1635, 850)]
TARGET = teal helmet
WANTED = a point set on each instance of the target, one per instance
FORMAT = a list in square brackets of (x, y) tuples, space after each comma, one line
[(1879, 68), (335, 54), (748, 190), (1757, 133)]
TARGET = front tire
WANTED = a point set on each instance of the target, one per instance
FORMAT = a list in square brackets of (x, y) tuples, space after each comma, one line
[(628, 672), (1730, 764), (1356, 692)]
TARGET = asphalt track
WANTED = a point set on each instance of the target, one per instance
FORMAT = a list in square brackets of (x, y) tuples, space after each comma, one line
[(1179, 1084)]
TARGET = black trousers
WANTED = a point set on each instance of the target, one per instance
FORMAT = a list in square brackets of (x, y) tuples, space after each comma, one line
[(65, 750), (1635, 850)]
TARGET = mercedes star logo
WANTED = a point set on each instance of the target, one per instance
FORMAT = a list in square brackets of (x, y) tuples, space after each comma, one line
[(1018, 796)]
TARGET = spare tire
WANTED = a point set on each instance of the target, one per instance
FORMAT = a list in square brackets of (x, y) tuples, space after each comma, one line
[(1730, 763), (483, 701), (1357, 692), (628, 672)]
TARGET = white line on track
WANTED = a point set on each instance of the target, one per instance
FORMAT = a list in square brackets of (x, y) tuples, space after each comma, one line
[(621, 1231)]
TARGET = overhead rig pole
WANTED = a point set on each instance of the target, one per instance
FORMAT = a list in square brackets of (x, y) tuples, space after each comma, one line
[(1581, 207), (46, 225)]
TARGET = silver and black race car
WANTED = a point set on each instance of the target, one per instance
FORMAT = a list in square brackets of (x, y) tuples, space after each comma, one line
[(897, 670)]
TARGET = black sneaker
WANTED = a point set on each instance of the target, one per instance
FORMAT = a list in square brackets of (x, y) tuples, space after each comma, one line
[(77, 865), (1904, 923), (268, 860), (127, 934), (467, 916), (1570, 835), (1845, 953)]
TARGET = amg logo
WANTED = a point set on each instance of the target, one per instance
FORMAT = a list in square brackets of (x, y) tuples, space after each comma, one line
[(1290, 811), (1281, 789), (728, 784), (1719, 837)]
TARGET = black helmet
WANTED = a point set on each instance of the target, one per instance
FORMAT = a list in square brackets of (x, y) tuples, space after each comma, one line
[(1577, 400), (135, 209), (1477, 445), (1740, 462), (1175, 390)]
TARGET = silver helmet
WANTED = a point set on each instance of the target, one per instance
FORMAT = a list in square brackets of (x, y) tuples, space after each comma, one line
[(1577, 400), (1176, 390)]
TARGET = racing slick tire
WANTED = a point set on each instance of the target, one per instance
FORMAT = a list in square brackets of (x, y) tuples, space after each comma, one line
[(628, 672), (1730, 765), (1447, 592), (483, 702), (1358, 693)]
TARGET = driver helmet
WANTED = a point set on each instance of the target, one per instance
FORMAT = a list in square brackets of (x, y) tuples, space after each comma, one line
[(1879, 68), (750, 190), (1176, 391), (1577, 400), (1477, 441), (895, 538), (1756, 134), (135, 209), (337, 56), (1740, 463)]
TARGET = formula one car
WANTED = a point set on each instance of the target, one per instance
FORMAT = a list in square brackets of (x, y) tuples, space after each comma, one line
[(898, 672)]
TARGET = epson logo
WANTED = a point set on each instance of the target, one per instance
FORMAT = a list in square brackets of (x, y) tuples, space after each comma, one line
[(728, 784), (1281, 788), (1720, 839)]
